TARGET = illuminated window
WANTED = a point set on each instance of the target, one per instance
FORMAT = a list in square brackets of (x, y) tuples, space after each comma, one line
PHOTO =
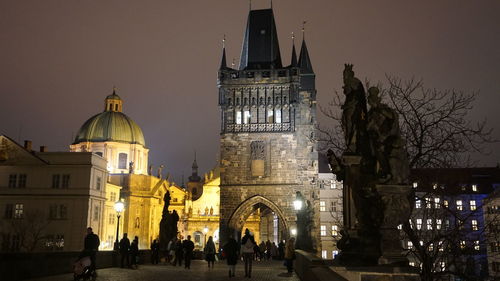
[(442, 264), (473, 206), (333, 184), (270, 114), (238, 117), (278, 115), (19, 211), (335, 230), (412, 263), (431, 247), (419, 223), (415, 184), (428, 203), (409, 244), (434, 186), (417, 204), (322, 206), (445, 203), (474, 225), (437, 204), (429, 224), (323, 230), (438, 223), (440, 246), (476, 245), (323, 254), (459, 205), (246, 117), (334, 253), (474, 187), (462, 244)]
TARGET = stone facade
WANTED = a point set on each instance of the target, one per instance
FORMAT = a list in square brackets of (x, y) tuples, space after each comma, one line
[(266, 145)]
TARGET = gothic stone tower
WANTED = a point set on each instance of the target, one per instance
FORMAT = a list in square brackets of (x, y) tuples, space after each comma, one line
[(268, 115)]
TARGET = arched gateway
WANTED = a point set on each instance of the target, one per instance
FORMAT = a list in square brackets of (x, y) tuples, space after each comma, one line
[(245, 209), (267, 152)]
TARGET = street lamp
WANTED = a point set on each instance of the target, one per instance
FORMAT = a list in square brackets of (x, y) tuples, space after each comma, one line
[(298, 202), (119, 206), (205, 231)]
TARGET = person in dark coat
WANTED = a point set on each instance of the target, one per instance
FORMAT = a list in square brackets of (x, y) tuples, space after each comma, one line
[(281, 250), (124, 249), (134, 252), (248, 246), (210, 252), (179, 252), (188, 247), (91, 246), (155, 252), (231, 253)]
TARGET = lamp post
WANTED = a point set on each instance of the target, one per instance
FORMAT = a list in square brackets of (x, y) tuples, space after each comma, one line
[(119, 206), (205, 231)]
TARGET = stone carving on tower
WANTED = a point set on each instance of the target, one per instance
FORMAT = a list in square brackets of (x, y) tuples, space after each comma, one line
[(268, 113)]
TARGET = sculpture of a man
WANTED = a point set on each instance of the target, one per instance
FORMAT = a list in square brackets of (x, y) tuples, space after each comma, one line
[(388, 145), (353, 110)]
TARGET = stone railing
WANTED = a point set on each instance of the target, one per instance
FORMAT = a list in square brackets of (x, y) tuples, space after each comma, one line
[(310, 267), (19, 266)]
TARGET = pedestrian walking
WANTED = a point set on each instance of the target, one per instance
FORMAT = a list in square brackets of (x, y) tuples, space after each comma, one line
[(247, 249), (134, 253), (171, 251), (90, 247), (155, 252), (209, 252), (124, 250), (179, 253), (231, 253), (281, 249), (268, 249), (262, 250), (274, 251), (188, 247), (290, 254)]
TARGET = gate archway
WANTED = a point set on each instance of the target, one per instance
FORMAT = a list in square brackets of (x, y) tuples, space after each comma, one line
[(247, 207)]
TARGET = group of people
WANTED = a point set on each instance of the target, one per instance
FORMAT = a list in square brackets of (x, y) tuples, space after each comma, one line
[(249, 250), (179, 251), (129, 252)]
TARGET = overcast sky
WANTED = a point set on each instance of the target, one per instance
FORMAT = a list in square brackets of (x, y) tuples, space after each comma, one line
[(59, 60)]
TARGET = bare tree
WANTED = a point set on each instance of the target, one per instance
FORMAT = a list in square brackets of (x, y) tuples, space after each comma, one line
[(435, 124), (445, 241), (28, 231)]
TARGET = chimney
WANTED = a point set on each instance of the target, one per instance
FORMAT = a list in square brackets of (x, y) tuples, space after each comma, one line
[(43, 148), (27, 145)]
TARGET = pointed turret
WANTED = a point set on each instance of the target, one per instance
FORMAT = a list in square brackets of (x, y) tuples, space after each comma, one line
[(223, 64), (260, 45), (293, 62), (194, 175), (304, 60)]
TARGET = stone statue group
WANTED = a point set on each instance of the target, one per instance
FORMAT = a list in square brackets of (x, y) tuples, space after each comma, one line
[(374, 168), (168, 223)]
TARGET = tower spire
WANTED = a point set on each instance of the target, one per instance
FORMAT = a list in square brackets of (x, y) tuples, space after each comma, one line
[(294, 53), (304, 60), (223, 63), (194, 175)]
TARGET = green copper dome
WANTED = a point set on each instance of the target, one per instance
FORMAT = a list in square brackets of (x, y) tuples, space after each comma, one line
[(110, 126)]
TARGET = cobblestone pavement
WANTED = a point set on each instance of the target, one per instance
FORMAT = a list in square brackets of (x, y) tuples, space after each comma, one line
[(264, 270)]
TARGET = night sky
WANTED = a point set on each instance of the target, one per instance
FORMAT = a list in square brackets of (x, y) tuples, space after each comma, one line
[(59, 60)]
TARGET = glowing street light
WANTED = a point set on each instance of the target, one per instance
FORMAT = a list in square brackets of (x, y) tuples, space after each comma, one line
[(298, 202), (119, 207), (294, 231)]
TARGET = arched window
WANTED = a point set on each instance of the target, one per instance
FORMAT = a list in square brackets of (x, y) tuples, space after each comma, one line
[(99, 153), (270, 114), (122, 161), (116, 107), (278, 116)]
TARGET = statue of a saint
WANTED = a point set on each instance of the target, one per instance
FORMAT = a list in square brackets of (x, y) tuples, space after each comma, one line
[(353, 110), (131, 167), (385, 136)]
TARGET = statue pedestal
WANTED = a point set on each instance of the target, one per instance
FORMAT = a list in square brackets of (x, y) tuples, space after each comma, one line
[(397, 210)]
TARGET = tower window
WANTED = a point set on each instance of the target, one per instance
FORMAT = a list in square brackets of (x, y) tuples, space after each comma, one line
[(110, 107), (122, 161), (270, 114), (278, 116), (116, 107), (246, 117), (238, 117)]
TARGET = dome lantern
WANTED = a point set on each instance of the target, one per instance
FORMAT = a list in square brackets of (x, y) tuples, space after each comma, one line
[(113, 102)]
